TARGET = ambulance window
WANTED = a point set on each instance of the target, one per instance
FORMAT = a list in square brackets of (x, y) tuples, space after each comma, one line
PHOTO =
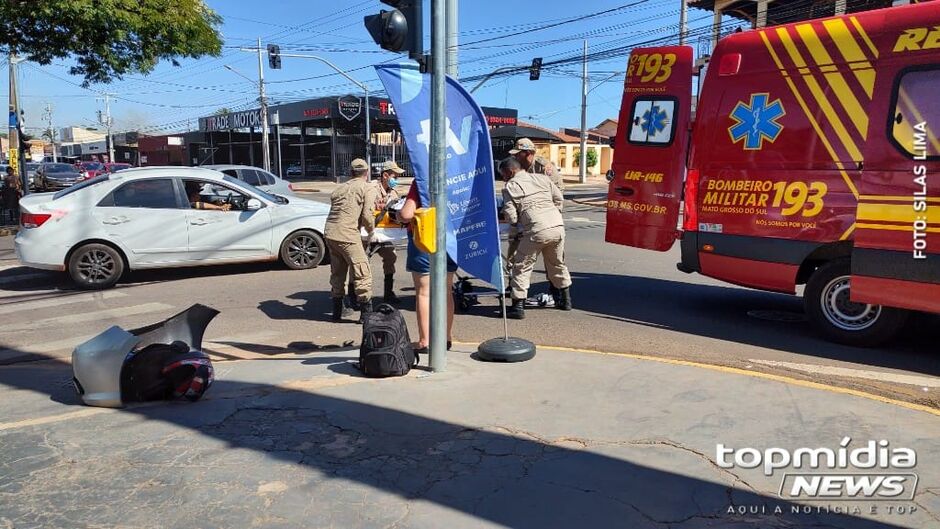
[(653, 120), (915, 117)]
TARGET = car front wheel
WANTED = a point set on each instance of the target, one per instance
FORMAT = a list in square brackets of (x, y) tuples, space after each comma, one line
[(96, 266), (836, 316), (303, 249)]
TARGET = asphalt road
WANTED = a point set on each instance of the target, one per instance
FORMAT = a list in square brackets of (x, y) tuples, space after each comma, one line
[(626, 300)]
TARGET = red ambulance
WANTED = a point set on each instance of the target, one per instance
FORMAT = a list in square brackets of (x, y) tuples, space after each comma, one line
[(814, 158)]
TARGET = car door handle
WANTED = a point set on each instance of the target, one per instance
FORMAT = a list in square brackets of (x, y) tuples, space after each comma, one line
[(627, 191), (116, 220), (198, 222)]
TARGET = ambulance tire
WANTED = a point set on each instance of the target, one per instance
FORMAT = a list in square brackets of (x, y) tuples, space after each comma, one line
[(827, 305)]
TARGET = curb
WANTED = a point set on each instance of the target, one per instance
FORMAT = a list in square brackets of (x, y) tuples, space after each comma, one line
[(748, 373)]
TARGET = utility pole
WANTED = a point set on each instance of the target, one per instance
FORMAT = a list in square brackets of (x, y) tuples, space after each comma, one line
[(439, 287), (683, 18), (452, 68), (265, 145), (582, 170), (107, 122), (55, 155), (15, 153)]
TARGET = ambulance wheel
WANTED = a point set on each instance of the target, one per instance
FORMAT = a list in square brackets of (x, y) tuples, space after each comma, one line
[(303, 249), (833, 314)]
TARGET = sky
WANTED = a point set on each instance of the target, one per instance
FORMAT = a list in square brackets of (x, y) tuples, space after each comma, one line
[(493, 34)]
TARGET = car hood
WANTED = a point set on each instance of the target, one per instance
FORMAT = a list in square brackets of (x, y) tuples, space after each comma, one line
[(63, 176), (308, 206)]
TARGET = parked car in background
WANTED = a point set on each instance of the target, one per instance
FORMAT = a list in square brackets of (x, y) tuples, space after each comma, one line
[(294, 169), (141, 218), (115, 167), (53, 176), (31, 168), (91, 169), (259, 178)]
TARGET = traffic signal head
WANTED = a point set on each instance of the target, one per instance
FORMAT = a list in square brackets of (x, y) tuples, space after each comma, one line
[(535, 71), (274, 56), (400, 29)]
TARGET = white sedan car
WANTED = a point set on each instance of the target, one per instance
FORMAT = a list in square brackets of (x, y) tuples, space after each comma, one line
[(143, 218)]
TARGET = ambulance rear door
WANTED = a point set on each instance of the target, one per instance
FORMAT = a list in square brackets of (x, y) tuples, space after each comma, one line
[(650, 149)]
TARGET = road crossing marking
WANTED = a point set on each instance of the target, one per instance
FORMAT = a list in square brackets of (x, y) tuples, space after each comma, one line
[(881, 376), (23, 306), (99, 316), (66, 344)]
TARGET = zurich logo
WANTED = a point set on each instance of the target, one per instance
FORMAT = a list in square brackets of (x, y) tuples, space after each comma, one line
[(756, 121), (474, 245)]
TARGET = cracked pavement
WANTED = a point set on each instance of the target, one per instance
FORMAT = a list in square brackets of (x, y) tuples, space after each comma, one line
[(565, 440)]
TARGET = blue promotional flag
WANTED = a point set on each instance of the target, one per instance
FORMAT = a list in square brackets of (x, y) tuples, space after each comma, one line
[(472, 225)]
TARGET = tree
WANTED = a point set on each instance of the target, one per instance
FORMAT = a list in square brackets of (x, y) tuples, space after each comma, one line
[(108, 38), (222, 111), (591, 158)]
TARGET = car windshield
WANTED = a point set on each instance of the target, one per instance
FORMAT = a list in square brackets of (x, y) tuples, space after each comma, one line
[(81, 185), (94, 166), (59, 168), (248, 187), (32, 166)]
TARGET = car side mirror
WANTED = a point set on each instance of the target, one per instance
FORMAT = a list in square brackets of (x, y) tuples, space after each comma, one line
[(253, 204)]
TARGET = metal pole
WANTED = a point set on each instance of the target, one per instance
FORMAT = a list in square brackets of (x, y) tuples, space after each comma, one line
[(15, 150), (582, 170), (277, 127), (452, 38), (495, 72), (439, 287), (368, 132), (683, 17), (265, 142), (107, 106), (55, 157)]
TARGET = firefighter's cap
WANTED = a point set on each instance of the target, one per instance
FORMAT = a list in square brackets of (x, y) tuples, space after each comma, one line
[(523, 144), (391, 166)]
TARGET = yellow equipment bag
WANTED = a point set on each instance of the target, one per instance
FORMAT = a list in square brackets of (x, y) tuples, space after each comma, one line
[(425, 230)]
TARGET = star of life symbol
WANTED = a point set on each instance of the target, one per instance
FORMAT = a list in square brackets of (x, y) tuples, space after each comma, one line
[(654, 120), (756, 121)]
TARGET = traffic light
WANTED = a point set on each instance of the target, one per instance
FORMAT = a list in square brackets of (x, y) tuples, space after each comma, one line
[(274, 56), (400, 29), (536, 69)]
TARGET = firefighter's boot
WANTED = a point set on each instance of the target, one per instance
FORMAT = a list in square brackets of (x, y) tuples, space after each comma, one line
[(517, 310), (390, 296), (564, 299), (338, 309), (555, 292), (365, 307)]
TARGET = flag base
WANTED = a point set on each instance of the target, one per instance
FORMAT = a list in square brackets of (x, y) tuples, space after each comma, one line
[(506, 350)]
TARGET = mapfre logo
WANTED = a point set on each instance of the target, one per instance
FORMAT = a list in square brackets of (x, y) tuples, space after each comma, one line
[(916, 39), (875, 471)]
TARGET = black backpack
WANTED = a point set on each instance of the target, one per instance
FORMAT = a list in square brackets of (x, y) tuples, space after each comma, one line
[(386, 349)]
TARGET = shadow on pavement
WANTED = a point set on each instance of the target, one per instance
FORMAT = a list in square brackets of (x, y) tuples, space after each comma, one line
[(515, 480), (723, 313)]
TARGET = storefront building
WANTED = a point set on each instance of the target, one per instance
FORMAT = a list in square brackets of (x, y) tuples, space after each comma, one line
[(317, 138)]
